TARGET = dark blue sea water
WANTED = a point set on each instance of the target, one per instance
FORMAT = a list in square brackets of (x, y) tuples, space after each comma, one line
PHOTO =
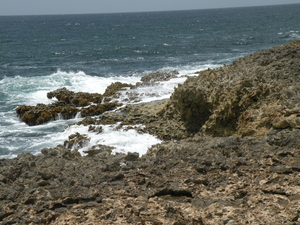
[(39, 54)]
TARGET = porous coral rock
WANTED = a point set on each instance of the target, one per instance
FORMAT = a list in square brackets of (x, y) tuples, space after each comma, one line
[(196, 179), (220, 102)]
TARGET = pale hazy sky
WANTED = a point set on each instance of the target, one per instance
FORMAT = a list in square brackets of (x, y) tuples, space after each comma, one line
[(38, 7)]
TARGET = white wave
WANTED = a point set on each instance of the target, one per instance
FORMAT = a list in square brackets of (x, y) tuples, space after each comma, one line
[(123, 140), (295, 34), (32, 90), (81, 82), (18, 137)]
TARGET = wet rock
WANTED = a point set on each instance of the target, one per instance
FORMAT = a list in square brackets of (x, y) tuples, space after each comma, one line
[(99, 149), (151, 115), (77, 99), (65, 109), (41, 113), (132, 156), (87, 121), (76, 141), (99, 109), (152, 78), (113, 89)]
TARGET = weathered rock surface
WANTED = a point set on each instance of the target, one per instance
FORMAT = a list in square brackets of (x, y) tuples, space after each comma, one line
[(152, 78), (76, 99), (41, 113), (112, 91), (248, 97), (231, 156), (225, 180), (68, 106), (150, 115)]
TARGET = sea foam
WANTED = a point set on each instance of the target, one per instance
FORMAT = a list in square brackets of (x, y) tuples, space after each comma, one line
[(16, 136)]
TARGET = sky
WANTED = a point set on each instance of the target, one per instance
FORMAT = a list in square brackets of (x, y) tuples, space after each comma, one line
[(46, 7)]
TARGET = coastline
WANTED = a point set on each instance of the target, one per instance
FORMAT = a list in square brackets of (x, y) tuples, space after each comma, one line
[(229, 156)]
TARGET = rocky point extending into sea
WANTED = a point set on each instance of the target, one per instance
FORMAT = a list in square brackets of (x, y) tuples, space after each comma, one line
[(230, 155)]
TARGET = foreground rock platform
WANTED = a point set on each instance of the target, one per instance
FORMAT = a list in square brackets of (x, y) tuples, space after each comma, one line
[(230, 156), (224, 180)]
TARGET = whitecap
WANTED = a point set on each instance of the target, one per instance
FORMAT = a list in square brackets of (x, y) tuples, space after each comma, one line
[(122, 140)]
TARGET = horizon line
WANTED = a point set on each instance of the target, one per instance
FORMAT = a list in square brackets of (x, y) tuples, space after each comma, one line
[(174, 10)]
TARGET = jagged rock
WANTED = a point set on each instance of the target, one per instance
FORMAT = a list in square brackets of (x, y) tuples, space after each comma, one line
[(196, 179), (132, 156), (99, 109), (97, 129), (76, 141), (150, 115), (113, 89), (66, 109), (77, 99), (199, 180), (99, 149), (248, 97), (87, 121), (152, 78), (41, 113)]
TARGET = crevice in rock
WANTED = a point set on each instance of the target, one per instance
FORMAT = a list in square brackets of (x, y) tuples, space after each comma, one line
[(174, 193), (275, 192), (30, 201), (5, 215), (70, 201), (57, 206)]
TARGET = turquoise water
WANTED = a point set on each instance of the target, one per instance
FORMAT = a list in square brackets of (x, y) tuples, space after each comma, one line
[(88, 52)]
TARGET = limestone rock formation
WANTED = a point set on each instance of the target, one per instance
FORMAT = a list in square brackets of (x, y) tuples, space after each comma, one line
[(224, 180), (230, 156), (150, 115), (68, 106), (41, 113), (77, 99), (252, 95), (152, 78)]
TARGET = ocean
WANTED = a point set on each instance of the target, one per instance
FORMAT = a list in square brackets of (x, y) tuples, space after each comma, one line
[(39, 54)]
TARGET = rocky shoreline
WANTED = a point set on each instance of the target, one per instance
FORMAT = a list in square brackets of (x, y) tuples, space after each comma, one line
[(230, 153)]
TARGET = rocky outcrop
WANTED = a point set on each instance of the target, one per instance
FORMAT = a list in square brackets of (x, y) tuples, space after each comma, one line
[(84, 104), (77, 99), (112, 91), (68, 106), (150, 115), (249, 97), (41, 113), (153, 78), (230, 156)]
